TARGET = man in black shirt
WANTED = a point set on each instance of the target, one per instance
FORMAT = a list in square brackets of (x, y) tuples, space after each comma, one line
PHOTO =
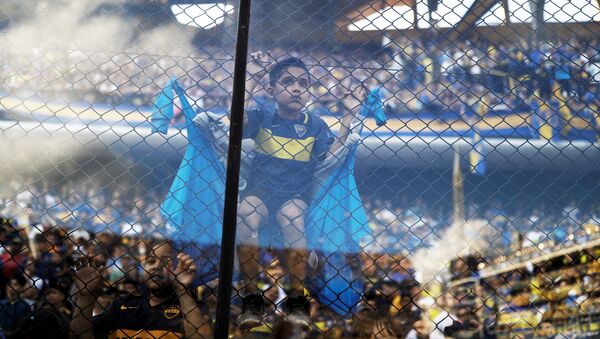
[(167, 310), (13, 309)]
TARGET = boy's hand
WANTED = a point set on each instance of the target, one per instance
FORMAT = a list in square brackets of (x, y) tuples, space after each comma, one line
[(184, 273), (352, 100), (87, 277), (260, 64)]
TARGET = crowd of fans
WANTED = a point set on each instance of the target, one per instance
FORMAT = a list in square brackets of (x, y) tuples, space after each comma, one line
[(406, 226), (113, 230), (46, 229), (399, 225), (556, 297), (502, 75), (91, 210)]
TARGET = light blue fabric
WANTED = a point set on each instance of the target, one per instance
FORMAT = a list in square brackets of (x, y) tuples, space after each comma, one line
[(373, 107), (193, 206), (335, 224), (336, 219), (162, 109)]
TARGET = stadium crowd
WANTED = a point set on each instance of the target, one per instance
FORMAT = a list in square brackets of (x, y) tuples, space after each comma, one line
[(398, 224), (405, 226), (504, 75), (47, 230), (114, 230)]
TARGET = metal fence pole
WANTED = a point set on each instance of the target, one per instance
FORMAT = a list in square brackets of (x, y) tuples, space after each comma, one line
[(233, 173)]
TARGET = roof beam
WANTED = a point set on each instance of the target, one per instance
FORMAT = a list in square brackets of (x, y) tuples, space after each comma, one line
[(373, 6), (469, 20)]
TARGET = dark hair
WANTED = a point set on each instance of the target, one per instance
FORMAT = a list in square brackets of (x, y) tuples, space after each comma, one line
[(54, 284), (518, 288), (20, 279), (155, 243), (39, 238), (107, 290), (282, 65), (129, 280)]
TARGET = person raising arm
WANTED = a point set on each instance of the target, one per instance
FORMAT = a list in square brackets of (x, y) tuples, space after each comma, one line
[(167, 310)]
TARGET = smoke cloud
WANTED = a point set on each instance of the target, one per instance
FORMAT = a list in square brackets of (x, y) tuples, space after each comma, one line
[(62, 51), (90, 25), (459, 239), (66, 47)]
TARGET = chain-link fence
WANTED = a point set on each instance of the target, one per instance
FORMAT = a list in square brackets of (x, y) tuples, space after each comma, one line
[(408, 169)]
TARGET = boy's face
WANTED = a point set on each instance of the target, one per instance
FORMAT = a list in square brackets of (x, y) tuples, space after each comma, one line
[(291, 91), (157, 266)]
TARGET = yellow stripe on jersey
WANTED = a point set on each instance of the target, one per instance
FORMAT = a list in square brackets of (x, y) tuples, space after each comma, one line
[(282, 147), (144, 334)]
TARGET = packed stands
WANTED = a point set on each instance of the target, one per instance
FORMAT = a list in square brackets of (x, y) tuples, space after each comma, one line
[(531, 269), (509, 86), (113, 228)]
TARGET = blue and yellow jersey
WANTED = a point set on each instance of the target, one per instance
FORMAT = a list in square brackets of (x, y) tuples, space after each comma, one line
[(133, 317), (286, 151)]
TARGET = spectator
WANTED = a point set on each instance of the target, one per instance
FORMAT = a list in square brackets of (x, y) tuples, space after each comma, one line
[(13, 261), (13, 309), (56, 300), (167, 286), (446, 301)]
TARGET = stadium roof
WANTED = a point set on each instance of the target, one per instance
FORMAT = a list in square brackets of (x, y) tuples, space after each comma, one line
[(398, 15), (314, 21)]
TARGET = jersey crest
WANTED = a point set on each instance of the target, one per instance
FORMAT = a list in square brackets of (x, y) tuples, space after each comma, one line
[(300, 129)]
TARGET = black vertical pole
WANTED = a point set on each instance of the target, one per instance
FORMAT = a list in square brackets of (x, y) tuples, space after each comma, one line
[(233, 173)]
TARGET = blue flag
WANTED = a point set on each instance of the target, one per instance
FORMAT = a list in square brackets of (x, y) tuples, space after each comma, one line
[(373, 107), (335, 224), (162, 109), (193, 206)]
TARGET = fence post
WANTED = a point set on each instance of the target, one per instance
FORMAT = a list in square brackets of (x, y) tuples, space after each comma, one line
[(233, 173)]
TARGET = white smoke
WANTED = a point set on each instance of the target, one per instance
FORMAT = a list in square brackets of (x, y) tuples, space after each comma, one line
[(65, 26), (460, 239), (70, 26), (57, 51), (33, 150), (62, 47)]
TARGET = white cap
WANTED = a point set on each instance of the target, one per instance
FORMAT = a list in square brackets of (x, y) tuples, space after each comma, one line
[(131, 230), (80, 233)]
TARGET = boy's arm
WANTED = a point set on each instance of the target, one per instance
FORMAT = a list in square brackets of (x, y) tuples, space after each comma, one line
[(88, 281), (195, 324), (259, 66), (81, 323), (352, 103)]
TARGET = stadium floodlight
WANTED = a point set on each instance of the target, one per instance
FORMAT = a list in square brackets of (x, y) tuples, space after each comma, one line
[(205, 16), (395, 17)]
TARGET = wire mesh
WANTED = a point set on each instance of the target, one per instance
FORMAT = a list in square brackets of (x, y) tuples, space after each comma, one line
[(409, 169)]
